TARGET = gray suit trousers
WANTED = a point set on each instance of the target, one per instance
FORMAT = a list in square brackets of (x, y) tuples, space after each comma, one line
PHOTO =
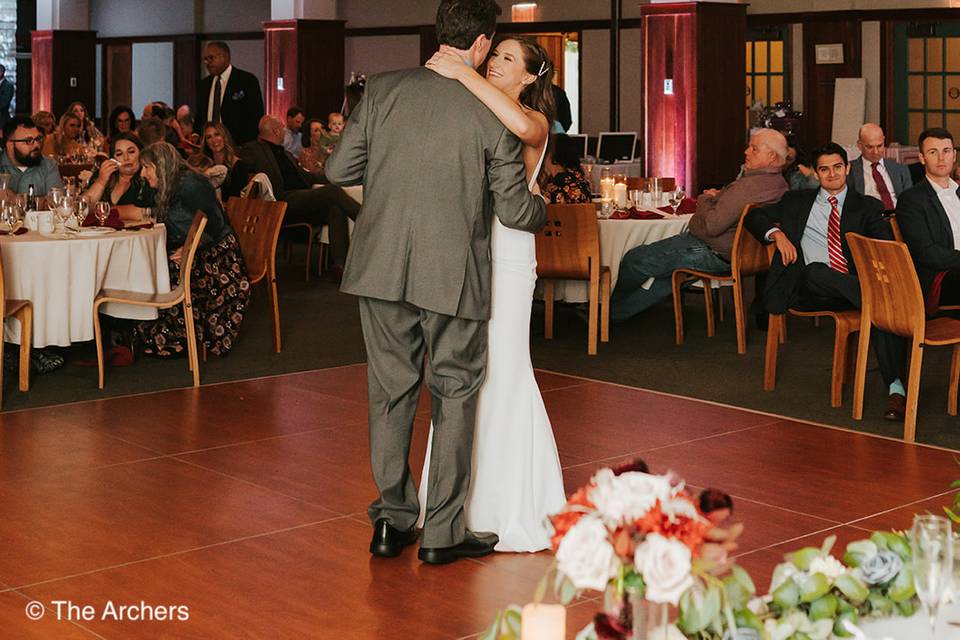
[(397, 336)]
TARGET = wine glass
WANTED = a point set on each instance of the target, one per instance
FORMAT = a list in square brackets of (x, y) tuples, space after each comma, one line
[(676, 198), (83, 208), (102, 211), (931, 541)]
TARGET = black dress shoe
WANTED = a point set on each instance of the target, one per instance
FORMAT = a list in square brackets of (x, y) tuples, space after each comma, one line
[(474, 545), (896, 408), (389, 541)]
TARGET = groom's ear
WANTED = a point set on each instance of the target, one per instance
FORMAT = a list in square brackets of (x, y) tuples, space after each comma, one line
[(480, 49)]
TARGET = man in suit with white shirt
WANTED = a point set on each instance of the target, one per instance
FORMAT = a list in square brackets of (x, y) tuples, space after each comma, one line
[(872, 174), (228, 95)]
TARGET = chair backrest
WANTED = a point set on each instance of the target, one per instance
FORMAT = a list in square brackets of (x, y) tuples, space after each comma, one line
[(748, 257), (634, 182), (569, 242), (891, 293), (668, 184), (257, 225), (895, 227), (190, 245)]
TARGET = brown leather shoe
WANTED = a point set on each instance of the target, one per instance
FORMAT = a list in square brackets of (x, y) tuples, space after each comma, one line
[(896, 407)]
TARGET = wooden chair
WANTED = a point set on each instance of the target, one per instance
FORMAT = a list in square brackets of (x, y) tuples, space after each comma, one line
[(257, 225), (635, 183), (748, 258), (568, 248), (180, 295), (22, 310), (893, 302), (668, 184)]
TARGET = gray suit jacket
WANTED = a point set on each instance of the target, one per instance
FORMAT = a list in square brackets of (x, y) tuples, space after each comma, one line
[(436, 165), (899, 176)]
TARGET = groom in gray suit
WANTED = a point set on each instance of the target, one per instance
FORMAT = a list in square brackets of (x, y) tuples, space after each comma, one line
[(436, 165)]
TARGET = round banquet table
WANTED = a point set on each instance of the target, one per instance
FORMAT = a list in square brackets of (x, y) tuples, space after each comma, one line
[(62, 276), (617, 237)]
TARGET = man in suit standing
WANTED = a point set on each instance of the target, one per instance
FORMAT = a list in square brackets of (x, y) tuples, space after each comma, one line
[(6, 96), (872, 174), (813, 268), (929, 217), (420, 261), (228, 95)]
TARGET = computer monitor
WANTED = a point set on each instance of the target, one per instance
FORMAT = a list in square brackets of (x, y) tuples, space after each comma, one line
[(581, 140), (616, 146)]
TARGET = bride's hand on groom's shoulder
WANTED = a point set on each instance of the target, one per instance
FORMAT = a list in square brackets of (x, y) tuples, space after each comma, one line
[(447, 64)]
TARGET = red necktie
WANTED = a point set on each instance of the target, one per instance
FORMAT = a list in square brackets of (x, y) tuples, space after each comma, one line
[(834, 248), (882, 188)]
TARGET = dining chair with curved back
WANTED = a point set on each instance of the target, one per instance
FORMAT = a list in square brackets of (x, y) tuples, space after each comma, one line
[(257, 225), (893, 302), (180, 295), (22, 311), (748, 258), (568, 248)]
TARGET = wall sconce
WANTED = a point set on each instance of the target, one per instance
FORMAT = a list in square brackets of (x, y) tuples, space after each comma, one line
[(524, 12)]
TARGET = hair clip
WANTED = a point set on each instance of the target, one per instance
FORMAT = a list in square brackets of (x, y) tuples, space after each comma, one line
[(544, 67)]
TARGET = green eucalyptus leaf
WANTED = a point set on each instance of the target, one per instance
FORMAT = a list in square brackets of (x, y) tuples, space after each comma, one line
[(865, 547), (950, 514), (838, 627), (567, 592), (737, 595), (690, 620), (852, 587), (852, 559), (907, 608), (902, 587), (844, 606), (633, 582), (900, 546), (748, 619), (744, 579), (813, 586), (787, 595), (803, 557), (880, 604), (955, 484), (878, 538), (824, 607)]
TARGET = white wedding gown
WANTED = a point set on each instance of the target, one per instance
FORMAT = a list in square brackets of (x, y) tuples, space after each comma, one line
[(516, 481)]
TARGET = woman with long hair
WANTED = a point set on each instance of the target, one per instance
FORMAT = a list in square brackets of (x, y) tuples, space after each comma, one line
[(66, 140), (121, 120), (118, 180), (89, 134), (516, 480), (563, 180), (313, 157), (218, 145), (218, 283)]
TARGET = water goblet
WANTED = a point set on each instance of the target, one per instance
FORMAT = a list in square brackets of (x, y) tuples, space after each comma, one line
[(81, 211), (676, 198), (57, 195), (4, 181), (102, 211), (931, 541)]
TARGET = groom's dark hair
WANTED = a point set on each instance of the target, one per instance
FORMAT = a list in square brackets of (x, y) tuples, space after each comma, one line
[(459, 22)]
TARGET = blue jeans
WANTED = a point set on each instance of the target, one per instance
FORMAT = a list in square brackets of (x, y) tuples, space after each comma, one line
[(658, 260)]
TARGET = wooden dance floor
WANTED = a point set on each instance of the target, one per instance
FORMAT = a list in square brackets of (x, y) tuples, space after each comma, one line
[(243, 504)]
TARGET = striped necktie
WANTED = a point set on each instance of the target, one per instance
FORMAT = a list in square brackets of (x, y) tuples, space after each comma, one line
[(834, 248)]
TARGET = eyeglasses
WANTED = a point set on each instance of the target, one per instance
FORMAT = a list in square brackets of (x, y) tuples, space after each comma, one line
[(34, 140)]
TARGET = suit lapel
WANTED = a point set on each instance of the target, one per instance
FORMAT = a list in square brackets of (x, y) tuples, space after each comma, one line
[(858, 179), (945, 230)]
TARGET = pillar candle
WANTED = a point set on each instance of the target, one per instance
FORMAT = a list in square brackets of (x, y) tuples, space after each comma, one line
[(620, 194), (606, 188), (543, 622)]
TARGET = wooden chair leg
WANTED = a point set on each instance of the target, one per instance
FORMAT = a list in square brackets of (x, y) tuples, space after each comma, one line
[(859, 378), (708, 303), (548, 294), (605, 306), (191, 343), (720, 304), (309, 249), (741, 316), (913, 392), (954, 381), (783, 330), (98, 342), (678, 280), (774, 325), (25, 316), (272, 295), (592, 328), (851, 353), (839, 365)]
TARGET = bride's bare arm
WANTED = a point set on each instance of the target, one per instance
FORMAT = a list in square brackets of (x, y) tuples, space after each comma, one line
[(530, 126)]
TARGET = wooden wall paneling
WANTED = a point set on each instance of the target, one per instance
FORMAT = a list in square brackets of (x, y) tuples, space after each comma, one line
[(819, 79), (665, 132), (42, 71), (73, 54), (280, 41), (117, 78), (309, 56), (186, 71)]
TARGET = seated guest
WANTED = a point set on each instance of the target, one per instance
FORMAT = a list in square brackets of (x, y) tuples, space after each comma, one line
[(151, 130), (335, 125), (23, 160), (118, 180), (813, 268), (66, 140), (89, 133), (327, 204), (218, 281), (121, 120), (565, 182), (313, 158), (46, 122), (798, 172), (174, 135), (929, 217), (872, 174), (216, 157), (646, 271), (291, 136), (185, 120)]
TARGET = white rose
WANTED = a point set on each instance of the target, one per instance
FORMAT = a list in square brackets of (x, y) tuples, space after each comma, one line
[(828, 566), (628, 496), (665, 566), (586, 556)]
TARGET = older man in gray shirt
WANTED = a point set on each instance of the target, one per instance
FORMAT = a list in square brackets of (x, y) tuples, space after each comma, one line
[(23, 160), (645, 271)]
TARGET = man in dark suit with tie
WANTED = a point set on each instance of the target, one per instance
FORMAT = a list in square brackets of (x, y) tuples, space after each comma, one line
[(813, 267), (873, 175), (228, 95), (929, 217)]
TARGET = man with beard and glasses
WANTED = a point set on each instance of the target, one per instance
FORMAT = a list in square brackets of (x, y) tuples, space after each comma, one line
[(23, 160)]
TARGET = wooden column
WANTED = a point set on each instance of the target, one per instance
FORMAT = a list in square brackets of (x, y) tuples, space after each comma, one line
[(64, 69), (308, 55), (696, 134)]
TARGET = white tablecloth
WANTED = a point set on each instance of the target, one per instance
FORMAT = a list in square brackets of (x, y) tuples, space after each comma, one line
[(916, 627), (617, 237), (61, 277)]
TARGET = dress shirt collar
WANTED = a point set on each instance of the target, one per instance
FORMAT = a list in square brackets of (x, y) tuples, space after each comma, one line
[(823, 194), (951, 186), (224, 77), (869, 165)]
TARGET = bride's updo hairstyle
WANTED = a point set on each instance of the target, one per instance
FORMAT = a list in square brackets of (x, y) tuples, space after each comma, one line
[(537, 95)]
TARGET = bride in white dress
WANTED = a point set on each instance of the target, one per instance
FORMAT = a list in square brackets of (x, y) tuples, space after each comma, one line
[(516, 481)]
